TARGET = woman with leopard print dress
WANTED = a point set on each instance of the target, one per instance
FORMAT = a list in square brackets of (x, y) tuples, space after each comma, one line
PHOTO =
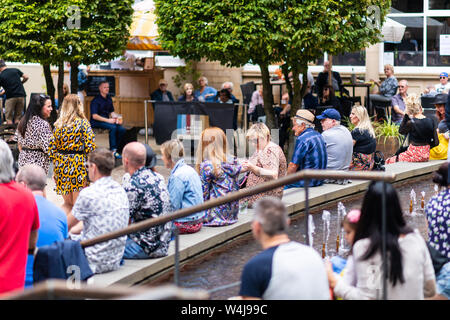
[(73, 140), (34, 133)]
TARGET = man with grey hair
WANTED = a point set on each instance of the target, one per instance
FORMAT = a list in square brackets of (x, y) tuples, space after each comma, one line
[(53, 219), (285, 270), (229, 86), (19, 224), (398, 102)]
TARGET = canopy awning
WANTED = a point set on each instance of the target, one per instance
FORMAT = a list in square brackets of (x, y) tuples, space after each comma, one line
[(392, 31), (143, 30)]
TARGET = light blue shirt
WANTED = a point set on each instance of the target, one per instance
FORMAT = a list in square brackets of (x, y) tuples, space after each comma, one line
[(185, 189), (207, 90)]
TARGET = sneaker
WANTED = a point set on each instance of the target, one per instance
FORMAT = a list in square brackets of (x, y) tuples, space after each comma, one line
[(117, 155)]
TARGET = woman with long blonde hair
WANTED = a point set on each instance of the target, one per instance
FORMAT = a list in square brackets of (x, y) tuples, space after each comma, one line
[(219, 176), (73, 140), (364, 142), (421, 131)]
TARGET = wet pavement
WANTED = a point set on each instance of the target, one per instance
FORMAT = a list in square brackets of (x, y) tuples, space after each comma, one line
[(224, 267)]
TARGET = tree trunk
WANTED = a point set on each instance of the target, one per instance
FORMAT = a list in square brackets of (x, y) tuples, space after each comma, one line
[(268, 96), (285, 69), (330, 59), (74, 77), (50, 90), (60, 83)]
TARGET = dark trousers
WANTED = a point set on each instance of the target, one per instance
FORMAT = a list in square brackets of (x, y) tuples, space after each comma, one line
[(116, 132)]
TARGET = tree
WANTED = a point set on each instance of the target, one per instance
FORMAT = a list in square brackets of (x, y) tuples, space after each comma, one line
[(267, 31), (52, 32)]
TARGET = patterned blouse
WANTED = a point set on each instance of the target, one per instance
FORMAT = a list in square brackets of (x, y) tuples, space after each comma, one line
[(389, 87), (149, 198), (215, 187), (437, 211), (69, 169), (271, 158), (35, 143)]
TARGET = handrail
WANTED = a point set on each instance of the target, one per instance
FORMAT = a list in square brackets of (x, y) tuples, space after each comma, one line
[(56, 288), (234, 196)]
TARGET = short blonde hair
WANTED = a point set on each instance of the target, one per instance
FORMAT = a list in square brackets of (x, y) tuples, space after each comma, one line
[(173, 149), (258, 130), (389, 66), (413, 104), (187, 86)]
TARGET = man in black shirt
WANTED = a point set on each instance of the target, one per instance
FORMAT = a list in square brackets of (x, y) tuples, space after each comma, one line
[(12, 80)]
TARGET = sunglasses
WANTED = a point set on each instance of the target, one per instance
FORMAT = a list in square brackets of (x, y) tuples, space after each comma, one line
[(443, 77), (43, 96), (402, 86)]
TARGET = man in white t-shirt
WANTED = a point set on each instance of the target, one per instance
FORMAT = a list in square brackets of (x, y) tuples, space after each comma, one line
[(285, 270), (338, 140), (444, 85)]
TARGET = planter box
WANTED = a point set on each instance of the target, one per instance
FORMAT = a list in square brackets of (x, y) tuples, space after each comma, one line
[(389, 146)]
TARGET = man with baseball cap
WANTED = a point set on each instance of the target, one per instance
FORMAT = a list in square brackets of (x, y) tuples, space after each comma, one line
[(444, 85), (338, 139), (310, 151)]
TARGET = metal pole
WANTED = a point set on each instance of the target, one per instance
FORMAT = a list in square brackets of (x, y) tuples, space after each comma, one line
[(306, 184), (177, 258), (145, 121), (383, 239)]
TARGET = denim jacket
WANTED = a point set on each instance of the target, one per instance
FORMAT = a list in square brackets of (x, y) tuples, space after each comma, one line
[(185, 189)]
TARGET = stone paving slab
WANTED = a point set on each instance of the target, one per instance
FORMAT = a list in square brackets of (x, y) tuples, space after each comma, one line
[(134, 271)]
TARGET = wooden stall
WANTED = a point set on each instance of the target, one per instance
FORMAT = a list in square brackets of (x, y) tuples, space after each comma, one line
[(131, 89)]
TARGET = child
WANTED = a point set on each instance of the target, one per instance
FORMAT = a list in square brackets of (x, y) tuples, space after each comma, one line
[(349, 224)]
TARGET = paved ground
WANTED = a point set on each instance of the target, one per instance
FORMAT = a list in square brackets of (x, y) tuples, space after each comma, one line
[(101, 140)]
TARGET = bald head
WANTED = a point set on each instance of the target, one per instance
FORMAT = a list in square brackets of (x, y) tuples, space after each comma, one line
[(33, 176), (135, 153)]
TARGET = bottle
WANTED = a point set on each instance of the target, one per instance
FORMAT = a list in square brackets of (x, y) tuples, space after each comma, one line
[(337, 244), (323, 251), (410, 206), (353, 76)]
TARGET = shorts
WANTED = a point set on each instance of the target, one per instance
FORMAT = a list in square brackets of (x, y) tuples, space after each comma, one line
[(14, 108)]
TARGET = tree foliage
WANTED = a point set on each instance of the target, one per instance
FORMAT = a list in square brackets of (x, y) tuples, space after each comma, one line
[(48, 32), (263, 32)]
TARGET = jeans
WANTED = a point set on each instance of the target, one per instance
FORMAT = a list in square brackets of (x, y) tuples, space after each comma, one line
[(134, 251), (116, 132)]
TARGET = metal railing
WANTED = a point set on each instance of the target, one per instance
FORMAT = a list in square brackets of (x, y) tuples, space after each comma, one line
[(305, 175)]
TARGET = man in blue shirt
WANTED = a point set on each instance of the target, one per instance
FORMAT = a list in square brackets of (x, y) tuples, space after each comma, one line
[(310, 150), (104, 117), (53, 220)]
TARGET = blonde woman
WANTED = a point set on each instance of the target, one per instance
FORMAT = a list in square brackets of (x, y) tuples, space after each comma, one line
[(188, 93), (218, 175), (364, 142), (421, 131), (72, 140), (267, 162)]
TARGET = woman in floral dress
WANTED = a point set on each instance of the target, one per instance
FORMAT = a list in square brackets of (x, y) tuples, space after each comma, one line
[(219, 176), (34, 133), (72, 140)]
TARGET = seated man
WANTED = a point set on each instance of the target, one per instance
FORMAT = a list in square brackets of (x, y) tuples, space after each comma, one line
[(444, 85), (228, 86), (53, 219), (162, 94), (104, 117), (338, 140), (398, 102), (149, 198), (285, 270), (310, 151), (102, 207)]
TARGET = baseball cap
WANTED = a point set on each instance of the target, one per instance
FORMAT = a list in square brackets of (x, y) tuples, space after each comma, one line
[(330, 114), (305, 115), (443, 74)]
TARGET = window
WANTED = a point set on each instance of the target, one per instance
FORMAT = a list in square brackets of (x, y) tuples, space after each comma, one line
[(423, 44)]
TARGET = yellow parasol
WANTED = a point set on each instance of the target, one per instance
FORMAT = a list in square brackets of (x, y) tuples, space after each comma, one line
[(143, 30)]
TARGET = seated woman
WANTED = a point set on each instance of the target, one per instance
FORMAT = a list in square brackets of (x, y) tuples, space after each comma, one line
[(364, 143), (329, 99), (440, 152), (410, 273), (185, 187), (267, 162), (388, 88), (218, 175), (188, 93), (422, 133)]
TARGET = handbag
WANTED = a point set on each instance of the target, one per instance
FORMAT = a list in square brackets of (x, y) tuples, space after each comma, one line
[(378, 161)]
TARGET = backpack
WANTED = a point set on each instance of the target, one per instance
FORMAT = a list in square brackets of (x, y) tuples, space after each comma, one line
[(378, 161)]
